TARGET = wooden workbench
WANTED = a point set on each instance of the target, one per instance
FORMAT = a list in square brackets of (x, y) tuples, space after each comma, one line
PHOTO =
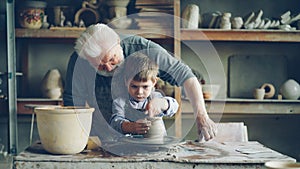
[(186, 155)]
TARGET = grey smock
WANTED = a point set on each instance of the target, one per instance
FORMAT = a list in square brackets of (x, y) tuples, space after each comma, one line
[(84, 86), (128, 109)]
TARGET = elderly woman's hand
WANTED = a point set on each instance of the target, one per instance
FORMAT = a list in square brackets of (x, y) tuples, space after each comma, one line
[(207, 129)]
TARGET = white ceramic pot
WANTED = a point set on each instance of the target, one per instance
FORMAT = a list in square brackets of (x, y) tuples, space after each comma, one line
[(64, 130), (190, 16), (290, 90), (259, 94), (157, 128)]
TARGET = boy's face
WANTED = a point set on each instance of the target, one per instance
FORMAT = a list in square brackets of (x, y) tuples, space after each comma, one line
[(140, 90)]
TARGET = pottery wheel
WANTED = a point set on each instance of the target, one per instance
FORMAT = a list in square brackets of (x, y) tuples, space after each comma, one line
[(139, 146), (165, 141)]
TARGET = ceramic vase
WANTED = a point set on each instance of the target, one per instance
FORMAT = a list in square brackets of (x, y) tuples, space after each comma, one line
[(290, 89), (52, 86), (157, 129), (31, 14), (190, 16)]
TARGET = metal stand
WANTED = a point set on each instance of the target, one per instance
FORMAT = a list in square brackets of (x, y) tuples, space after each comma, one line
[(11, 76)]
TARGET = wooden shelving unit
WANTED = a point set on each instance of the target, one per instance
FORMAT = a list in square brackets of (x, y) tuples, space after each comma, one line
[(232, 105), (178, 35), (228, 107), (240, 105)]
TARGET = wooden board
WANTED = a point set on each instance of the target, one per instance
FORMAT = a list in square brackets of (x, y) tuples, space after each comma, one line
[(66, 28), (247, 72)]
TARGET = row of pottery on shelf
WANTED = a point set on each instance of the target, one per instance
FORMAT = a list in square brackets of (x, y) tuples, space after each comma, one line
[(289, 90), (266, 91), (32, 14)]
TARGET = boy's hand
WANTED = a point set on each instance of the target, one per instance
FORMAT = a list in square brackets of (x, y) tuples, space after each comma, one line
[(139, 127), (156, 106)]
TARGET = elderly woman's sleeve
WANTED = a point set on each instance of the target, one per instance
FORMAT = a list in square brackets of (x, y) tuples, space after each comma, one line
[(75, 89)]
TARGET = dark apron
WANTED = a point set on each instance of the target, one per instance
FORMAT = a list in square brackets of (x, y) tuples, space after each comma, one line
[(103, 96)]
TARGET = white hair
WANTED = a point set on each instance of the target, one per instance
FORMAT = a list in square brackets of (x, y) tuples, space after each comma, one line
[(96, 41)]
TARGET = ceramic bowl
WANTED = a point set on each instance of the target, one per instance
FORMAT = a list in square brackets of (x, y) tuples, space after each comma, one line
[(290, 90), (64, 130), (31, 14), (282, 165), (210, 91)]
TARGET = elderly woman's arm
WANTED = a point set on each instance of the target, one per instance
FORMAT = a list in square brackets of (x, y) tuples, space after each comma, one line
[(206, 127)]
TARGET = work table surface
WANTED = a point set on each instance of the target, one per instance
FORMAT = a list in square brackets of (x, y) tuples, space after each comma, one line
[(186, 154)]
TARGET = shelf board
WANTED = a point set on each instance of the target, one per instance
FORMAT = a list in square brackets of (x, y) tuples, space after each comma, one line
[(240, 35), (47, 33), (186, 34), (247, 106), (23, 102), (227, 106), (75, 33), (244, 100), (38, 100)]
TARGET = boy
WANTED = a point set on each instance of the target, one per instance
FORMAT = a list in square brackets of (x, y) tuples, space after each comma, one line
[(140, 75)]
